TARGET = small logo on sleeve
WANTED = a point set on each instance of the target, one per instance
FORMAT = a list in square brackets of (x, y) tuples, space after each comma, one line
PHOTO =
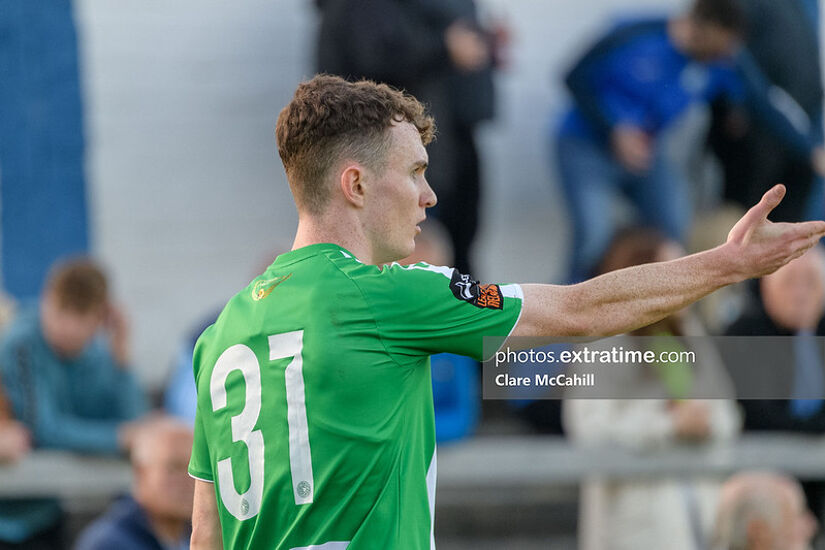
[(466, 288)]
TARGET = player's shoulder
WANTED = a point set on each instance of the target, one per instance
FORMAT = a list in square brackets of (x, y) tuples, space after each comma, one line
[(295, 277), (320, 265), (377, 276), (422, 282), (395, 277)]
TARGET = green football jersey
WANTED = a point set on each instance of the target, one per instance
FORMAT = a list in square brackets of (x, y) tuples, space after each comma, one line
[(315, 407)]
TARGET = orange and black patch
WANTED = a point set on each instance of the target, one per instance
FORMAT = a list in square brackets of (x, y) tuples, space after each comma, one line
[(489, 296), (467, 289)]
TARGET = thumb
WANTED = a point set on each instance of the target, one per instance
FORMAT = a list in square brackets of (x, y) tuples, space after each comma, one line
[(757, 214)]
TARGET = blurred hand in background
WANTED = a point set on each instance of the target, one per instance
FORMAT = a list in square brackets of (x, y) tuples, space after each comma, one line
[(632, 148), (468, 48), (15, 441)]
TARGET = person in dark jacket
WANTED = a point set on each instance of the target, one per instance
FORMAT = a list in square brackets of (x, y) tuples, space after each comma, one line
[(156, 516), (792, 305), (782, 37), (438, 51)]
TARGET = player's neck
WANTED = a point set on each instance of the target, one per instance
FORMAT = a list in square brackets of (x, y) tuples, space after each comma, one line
[(347, 235)]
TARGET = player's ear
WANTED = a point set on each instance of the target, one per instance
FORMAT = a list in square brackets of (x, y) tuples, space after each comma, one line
[(352, 184)]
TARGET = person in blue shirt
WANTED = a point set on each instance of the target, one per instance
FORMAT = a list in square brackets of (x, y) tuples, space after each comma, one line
[(627, 90), (65, 370), (157, 514)]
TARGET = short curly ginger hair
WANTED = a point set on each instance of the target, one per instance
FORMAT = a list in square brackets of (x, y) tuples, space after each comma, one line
[(330, 119)]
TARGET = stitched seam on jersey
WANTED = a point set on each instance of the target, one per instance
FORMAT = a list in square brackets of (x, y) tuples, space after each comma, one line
[(372, 311)]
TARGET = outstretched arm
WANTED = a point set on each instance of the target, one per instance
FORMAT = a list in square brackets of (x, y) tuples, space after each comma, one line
[(627, 299), (206, 527)]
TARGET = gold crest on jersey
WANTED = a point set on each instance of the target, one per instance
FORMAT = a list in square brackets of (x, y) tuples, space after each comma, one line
[(264, 288)]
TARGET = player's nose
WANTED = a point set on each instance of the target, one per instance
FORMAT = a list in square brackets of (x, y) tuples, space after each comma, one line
[(428, 198)]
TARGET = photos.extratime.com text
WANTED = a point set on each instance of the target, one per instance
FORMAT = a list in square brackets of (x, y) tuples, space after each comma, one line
[(584, 355)]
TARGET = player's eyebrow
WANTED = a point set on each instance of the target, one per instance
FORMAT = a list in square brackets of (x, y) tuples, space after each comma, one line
[(420, 165)]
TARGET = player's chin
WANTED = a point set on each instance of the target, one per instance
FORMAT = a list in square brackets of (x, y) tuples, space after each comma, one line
[(410, 248), (407, 249)]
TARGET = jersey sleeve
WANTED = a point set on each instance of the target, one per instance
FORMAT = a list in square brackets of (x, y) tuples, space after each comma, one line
[(424, 309), (199, 465)]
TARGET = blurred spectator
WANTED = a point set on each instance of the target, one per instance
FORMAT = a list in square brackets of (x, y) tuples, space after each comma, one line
[(762, 511), (438, 51), (69, 387), (793, 305), (630, 87), (655, 512), (68, 384), (782, 37), (455, 377), (180, 399), (157, 515)]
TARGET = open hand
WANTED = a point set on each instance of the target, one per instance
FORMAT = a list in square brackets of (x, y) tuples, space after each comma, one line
[(758, 246)]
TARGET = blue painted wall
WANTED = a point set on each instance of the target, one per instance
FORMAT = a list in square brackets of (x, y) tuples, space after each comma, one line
[(42, 182)]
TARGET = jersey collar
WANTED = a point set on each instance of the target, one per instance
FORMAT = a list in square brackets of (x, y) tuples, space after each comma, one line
[(311, 250)]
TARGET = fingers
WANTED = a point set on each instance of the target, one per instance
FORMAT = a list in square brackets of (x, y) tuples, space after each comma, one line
[(798, 253), (757, 214), (814, 230), (801, 245)]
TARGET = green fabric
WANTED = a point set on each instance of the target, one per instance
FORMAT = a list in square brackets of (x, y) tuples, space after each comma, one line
[(362, 337), (677, 377)]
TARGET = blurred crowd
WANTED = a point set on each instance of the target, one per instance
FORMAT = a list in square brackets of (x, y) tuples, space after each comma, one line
[(631, 156)]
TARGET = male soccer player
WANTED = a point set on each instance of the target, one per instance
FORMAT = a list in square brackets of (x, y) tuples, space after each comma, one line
[(314, 427)]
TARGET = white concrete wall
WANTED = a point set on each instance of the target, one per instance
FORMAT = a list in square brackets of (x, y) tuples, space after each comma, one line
[(188, 195)]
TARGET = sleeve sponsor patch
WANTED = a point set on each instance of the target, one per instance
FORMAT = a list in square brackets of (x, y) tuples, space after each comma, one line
[(466, 288)]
